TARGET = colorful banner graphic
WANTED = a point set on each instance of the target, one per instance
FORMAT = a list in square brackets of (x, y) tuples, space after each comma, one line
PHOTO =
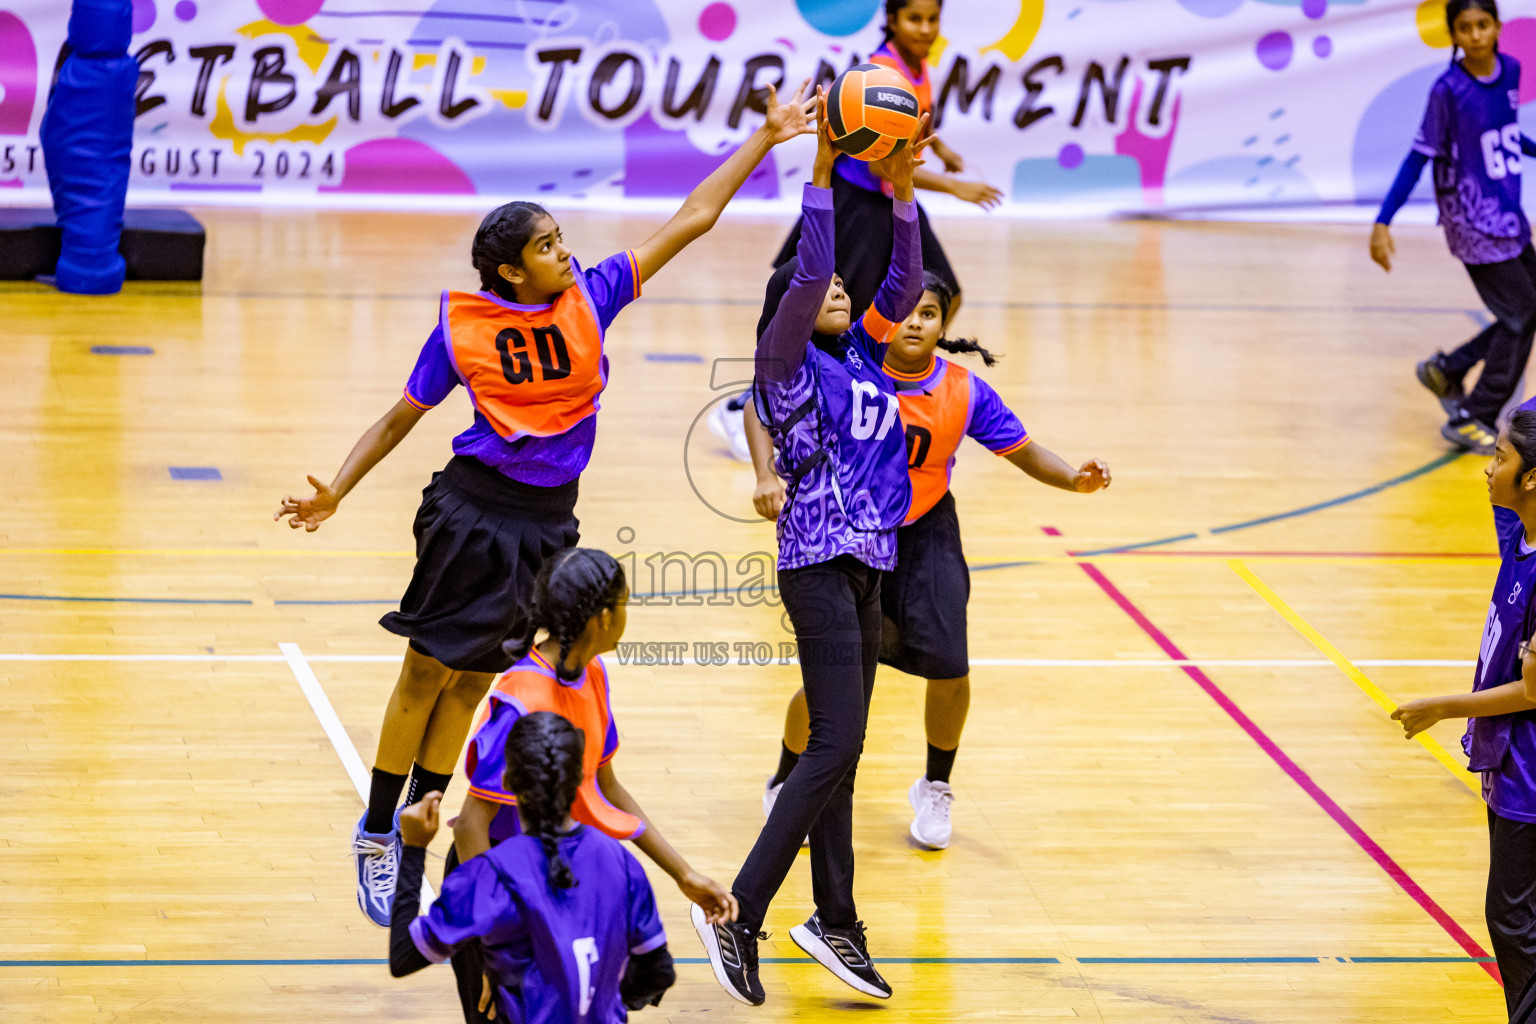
[(1102, 104)]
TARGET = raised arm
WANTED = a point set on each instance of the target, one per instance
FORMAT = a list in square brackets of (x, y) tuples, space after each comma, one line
[(903, 284), (704, 204), (379, 440), (781, 349)]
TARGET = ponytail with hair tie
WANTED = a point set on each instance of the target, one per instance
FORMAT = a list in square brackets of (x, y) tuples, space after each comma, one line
[(946, 295)]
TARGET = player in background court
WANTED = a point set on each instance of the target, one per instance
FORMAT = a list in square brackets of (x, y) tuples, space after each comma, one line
[(923, 600), (565, 915), (528, 347), (1500, 740), (1471, 132)]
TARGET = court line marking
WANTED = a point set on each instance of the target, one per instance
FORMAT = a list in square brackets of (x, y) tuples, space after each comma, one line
[(389, 659), (1296, 773), (806, 961), (1351, 672), (320, 704)]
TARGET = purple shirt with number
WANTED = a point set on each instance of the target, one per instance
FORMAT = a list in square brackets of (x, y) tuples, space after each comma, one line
[(1472, 133), (540, 461), (557, 956), (834, 416)]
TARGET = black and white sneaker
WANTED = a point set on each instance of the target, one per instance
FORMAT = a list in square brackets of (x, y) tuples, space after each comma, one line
[(732, 950), (843, 952), (1431, 373)]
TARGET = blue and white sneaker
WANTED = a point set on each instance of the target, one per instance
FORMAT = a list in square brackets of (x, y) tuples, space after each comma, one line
[(378, 863)]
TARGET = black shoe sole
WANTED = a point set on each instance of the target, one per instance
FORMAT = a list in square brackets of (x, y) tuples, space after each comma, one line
[(822, 954)]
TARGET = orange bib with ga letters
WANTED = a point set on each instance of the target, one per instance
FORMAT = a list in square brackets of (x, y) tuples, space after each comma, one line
[(532, 684), (530, 370)]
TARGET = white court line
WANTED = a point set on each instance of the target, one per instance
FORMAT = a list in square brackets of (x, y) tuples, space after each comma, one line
[(390, 659), (337, 733)]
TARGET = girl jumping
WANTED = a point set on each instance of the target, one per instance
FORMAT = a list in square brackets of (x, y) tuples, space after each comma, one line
[(528, 347), (1471, 132), (833, 417), (1500, 741), (564, 913), (923, 599)]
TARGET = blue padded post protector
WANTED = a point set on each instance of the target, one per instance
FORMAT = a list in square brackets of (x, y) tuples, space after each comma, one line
[(87, 139)]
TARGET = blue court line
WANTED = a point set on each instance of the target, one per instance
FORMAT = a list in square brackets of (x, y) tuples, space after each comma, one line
[(700, 961), (124, 600), (673, 357), (360, 600), (1365, 492)]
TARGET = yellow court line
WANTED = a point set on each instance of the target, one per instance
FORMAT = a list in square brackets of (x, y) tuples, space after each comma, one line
[(1356, 676)]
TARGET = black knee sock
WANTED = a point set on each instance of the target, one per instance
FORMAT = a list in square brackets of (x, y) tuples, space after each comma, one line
[(940, 762), (787, 761), (424, 782), (383, 795)]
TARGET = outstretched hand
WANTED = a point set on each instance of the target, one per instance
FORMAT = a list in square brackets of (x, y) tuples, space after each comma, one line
[(785, 121), (898, 167), (1092, 476), (1417, 715), (309, 512), (826, 153), (715, 900)]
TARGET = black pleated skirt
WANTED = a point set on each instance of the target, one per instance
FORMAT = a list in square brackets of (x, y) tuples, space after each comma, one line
[(480, 540)]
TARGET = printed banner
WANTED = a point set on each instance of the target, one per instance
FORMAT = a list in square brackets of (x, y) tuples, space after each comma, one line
[(1109, 104)]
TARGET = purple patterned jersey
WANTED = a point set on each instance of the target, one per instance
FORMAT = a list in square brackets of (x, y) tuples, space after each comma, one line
[(1472, 133)]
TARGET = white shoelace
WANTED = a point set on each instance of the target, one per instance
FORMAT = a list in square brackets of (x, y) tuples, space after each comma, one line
[(379, 869), (939, 801)]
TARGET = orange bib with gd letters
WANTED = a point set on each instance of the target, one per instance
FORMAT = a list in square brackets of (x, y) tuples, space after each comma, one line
[(529, 369)]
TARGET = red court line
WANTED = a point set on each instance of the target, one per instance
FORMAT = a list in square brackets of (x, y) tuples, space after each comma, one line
[(1297, 774)]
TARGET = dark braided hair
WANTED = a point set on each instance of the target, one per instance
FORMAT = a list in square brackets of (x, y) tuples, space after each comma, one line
[(946, 295), (572, 586), (895, 7), (1522, 438), (544, 753), (500, 239), (1455, 8)]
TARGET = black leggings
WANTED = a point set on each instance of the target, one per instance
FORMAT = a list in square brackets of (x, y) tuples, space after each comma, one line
[(1511, 908), (835, 609), (1508, 289)]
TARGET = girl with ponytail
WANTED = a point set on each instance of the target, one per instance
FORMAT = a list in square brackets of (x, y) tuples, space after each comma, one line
[(922, 600), (1472, 133), (576, 613), (563, 913)]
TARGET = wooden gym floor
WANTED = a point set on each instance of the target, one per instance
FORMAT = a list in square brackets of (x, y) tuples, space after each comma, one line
[(1179, 798)]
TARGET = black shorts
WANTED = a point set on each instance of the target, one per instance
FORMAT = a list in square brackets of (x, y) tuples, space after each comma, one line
[(480, 540), (923, 599), (864, 238)]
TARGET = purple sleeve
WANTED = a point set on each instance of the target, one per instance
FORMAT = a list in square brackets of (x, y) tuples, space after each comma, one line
[(434, 377), (645, 930), (613, 284), (781, 349), (1402, 186), (903, 284), (611, 738), (993, 424), (485, 762), (1435, 130), (472, 903)]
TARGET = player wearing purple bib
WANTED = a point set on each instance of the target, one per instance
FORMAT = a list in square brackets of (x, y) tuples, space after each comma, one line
[(528, 348), (564, 914), (1500, 741), (1471, 133), (833, 415)]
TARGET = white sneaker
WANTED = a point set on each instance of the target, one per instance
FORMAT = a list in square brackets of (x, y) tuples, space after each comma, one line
[(729, 425), (931, 801), (771, 797)]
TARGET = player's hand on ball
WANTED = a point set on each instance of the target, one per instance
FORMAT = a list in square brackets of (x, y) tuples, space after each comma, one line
[(1092, 476), (1417, 715), (900, 165), (785, 121), (309, 512), (978, 192), (1382, 249), (418, 822), (717, 902)]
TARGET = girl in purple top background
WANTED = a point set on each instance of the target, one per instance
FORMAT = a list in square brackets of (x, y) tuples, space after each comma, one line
[(1500, 741), (1471, 132), (833, 415), (565, 915), (506, 500)]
